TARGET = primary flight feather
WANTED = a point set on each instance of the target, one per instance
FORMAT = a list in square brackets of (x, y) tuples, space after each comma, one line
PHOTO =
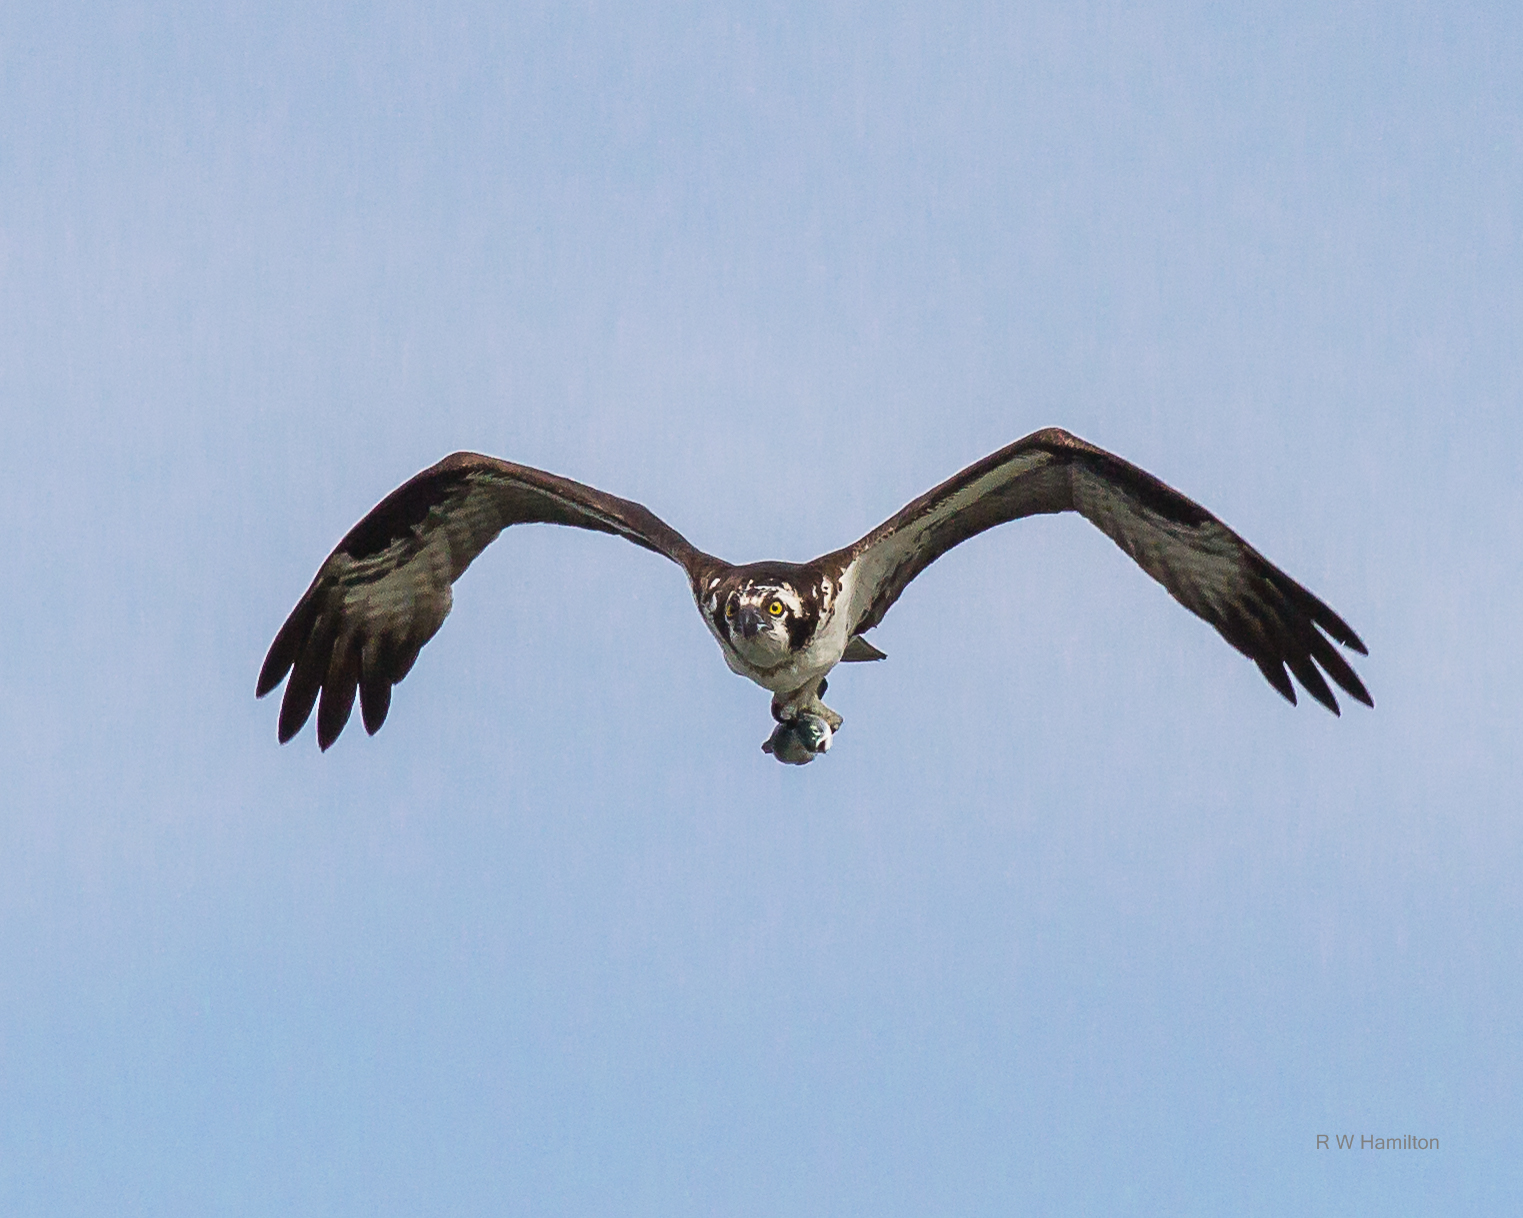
[(385, 589)]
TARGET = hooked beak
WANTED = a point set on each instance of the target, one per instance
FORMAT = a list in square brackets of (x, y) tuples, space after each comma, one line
[(749, 620)]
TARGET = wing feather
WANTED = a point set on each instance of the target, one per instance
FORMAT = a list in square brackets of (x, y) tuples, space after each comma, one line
[(385, 589), (1202, 563)]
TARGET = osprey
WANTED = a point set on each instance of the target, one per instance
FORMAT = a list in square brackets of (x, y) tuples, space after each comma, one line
[(385, 590)]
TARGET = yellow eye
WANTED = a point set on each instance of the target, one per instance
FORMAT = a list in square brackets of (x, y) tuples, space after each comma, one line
[(729, 610), (775, 608)]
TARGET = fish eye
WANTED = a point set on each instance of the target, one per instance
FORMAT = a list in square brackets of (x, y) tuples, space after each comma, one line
[(775, 608)]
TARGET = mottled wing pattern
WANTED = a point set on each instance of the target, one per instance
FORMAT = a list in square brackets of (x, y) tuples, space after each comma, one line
[(385, 589), (1022, 479), (1202, 563)]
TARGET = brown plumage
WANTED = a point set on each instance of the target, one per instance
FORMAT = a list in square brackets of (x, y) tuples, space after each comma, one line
[(385, 589)]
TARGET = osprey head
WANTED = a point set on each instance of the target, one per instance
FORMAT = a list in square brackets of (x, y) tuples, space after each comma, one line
[(763, 617)]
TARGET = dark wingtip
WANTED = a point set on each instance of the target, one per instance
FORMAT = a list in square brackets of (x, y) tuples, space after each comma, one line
[(339, 688), (278, 662), (1344, 635), (296, 707), (1339, 669), (1355, 689), (286, 732), (1312, 680), (1334, 625), (269, 678), (1361, 695), (1322, 652), (1274, 672), (286, 648), (375, 701)]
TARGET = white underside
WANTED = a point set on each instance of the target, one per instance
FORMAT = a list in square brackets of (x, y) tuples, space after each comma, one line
[(808, 666)]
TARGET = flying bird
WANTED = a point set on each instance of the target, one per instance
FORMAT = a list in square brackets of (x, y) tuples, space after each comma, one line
[(385, 590)]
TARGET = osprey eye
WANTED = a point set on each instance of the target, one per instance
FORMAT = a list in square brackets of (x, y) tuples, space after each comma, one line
[(775, 608)]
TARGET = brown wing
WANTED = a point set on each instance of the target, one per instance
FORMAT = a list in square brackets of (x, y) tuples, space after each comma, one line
[(385, 590), (1202, 563)]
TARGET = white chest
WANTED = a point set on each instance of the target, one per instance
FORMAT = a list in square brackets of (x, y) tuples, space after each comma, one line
[(821, 654)]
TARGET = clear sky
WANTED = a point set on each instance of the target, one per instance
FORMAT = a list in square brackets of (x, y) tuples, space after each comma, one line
[(1077, 917)]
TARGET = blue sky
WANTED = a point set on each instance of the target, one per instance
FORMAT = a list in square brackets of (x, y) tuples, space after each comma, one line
[(1077, 916)]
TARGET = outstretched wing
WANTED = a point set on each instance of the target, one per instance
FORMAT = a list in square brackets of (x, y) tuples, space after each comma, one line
[(1205, 566), (385, 590)]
